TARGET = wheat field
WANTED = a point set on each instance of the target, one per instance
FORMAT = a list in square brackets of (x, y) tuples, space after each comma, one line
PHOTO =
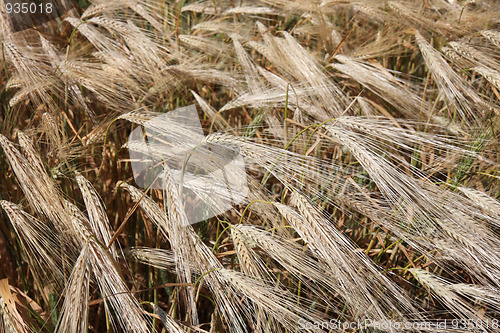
[(305, 166)]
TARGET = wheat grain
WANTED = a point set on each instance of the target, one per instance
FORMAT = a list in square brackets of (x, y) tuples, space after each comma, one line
[(74, 311), (96, 211)]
